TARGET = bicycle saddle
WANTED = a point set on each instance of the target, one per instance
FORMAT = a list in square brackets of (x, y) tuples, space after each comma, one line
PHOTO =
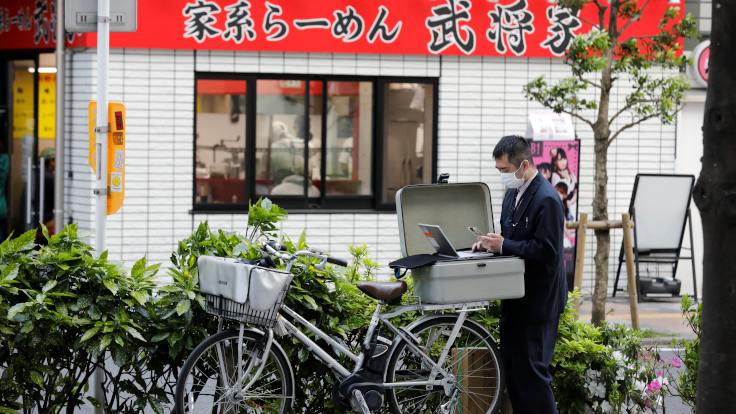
[(389, 292)]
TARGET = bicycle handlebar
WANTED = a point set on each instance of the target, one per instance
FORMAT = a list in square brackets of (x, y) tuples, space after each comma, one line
[(290, 258), (337, 261)]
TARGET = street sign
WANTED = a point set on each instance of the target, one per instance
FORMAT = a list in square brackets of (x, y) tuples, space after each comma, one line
[(115, 152), (81, 16)]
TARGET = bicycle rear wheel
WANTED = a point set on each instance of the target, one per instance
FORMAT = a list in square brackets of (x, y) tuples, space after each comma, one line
[(206, 383), (473, 360)]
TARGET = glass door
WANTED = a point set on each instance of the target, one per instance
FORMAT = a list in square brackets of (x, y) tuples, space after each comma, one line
[(28, 139)]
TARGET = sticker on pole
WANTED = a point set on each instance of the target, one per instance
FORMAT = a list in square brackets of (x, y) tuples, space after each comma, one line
[(116, 182)]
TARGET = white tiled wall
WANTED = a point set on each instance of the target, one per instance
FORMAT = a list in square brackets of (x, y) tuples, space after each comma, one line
[(480, 100)]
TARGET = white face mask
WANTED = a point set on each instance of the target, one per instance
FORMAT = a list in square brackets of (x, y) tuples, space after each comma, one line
[(510, 180)]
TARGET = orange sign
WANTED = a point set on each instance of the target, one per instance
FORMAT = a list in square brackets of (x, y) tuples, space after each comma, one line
[(115, 152)]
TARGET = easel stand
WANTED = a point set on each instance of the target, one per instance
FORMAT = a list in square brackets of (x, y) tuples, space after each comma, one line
[(658, 256), (627, 225)]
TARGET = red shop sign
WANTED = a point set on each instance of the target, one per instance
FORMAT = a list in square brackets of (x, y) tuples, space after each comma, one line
[(532, 28), (29, 24)]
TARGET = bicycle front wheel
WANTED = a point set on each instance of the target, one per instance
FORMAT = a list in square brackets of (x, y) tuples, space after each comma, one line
[(473, 360), (208, 381)]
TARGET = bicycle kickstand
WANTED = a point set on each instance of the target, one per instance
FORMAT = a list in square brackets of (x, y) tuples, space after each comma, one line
[(359, 404)]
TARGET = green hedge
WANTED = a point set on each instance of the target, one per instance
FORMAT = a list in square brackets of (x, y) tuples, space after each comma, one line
[(63, 310)]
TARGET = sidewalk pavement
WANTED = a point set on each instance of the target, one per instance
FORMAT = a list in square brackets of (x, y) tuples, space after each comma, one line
[(660, 317)]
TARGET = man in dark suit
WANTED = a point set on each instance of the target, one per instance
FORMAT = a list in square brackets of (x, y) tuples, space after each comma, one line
[(532, 227)]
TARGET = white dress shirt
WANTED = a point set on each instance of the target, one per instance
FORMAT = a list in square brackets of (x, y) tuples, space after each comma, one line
[(523, 188), (519, 194)]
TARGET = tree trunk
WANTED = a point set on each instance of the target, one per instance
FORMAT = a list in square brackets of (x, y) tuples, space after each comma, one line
[(601, 134), (715, 196), (602, 237)]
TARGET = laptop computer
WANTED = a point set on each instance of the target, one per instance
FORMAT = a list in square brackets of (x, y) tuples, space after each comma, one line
[(444, 248)]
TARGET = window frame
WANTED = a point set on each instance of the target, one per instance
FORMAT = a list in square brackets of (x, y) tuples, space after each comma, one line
[(325, 203)]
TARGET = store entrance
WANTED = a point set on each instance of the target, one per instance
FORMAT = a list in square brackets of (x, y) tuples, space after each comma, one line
[(28, 122)]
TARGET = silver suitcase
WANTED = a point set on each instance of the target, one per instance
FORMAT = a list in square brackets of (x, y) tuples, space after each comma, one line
[(454, 207)]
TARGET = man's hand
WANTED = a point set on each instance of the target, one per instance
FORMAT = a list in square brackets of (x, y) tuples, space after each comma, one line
[(490, 242)]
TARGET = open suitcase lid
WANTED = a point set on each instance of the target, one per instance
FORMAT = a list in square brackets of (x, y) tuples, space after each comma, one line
[(453, 207)]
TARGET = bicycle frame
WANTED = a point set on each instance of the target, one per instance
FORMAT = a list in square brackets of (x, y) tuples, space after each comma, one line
[(286, 327)]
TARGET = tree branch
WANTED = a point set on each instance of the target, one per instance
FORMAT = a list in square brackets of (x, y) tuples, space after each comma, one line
[(631, 21), (588, 22), (601, 13), (630, 125), (576, 115), (589, 82), (629, 106)]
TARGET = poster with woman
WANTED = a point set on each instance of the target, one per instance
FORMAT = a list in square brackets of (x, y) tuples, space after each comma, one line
[(559, 163)]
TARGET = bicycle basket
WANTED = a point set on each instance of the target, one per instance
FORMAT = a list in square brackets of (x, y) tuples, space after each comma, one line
[(240, 291)]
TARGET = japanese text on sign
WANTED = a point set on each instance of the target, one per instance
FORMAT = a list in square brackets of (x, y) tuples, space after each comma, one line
[(502, 28)]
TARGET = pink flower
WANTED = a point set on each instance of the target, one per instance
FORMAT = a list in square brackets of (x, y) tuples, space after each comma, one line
[(676, 362), (654, 386), (660, 373)]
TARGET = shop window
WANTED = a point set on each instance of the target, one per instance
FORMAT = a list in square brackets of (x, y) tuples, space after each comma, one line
[(349, 138), (220, 166), (408, 131), (282, 141), (312, 141)]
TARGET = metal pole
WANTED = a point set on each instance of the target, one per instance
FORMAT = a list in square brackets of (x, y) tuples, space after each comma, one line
[(100, 191), (29, 192), (41, 188), (59, 172), (103, 59)]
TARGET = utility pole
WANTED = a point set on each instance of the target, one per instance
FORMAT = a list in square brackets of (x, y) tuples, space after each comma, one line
[(101, 130), (59, 173)]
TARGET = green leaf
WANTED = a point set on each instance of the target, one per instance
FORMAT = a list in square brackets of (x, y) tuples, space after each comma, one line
[(141, 296), (119, 357), (183, 306), (160, 337), (138, 267), (105, 342), (45, 232), (310, 303), (37, 378), (27, 327), (49, 285), (89, 334), (111, 286), (134, 333), (16, 309), (10, 272)]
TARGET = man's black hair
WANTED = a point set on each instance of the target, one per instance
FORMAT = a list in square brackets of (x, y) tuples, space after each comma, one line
[(516, 147)]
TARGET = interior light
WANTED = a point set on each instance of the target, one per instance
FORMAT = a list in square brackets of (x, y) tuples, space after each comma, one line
[(43, 70)]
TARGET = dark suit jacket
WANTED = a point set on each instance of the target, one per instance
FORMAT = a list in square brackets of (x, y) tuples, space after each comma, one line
[(535, 233)]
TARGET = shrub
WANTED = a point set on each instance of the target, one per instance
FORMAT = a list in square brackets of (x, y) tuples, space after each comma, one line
[(688, 358), (66, 312), (604, 369)]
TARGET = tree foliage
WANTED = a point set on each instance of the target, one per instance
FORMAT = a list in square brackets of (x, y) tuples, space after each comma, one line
[(608, 49)]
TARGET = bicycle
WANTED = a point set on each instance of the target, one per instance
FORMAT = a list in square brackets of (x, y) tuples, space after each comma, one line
[(440, 363)]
